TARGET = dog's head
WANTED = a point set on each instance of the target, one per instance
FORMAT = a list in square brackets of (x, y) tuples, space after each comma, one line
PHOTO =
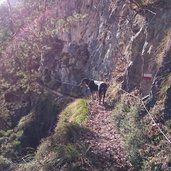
[(84, 82)]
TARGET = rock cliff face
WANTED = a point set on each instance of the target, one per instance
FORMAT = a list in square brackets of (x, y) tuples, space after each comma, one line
[(90, 47), (118, 41), (112, 34)]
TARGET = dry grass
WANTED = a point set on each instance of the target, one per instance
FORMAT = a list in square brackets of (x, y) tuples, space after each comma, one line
[(163, 47), (165, 85)]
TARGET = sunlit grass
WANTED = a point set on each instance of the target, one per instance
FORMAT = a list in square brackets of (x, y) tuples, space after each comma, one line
[(64, 150), (126, 117), (76, 112)]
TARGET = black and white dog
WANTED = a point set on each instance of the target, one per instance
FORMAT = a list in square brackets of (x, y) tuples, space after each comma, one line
[(95, 86)]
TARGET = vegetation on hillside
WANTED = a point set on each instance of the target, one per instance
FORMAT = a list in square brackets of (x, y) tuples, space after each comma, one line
[(62, 150), (128, 121), (148, 148), (28, 31), (40, 130), (34, 31)]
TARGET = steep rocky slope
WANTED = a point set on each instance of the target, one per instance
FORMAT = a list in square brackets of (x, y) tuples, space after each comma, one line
[(111, 33), (113, 40)]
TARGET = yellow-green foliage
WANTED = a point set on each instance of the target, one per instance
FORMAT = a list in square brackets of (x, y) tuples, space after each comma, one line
[(125, 115), (74, 157), (9, 143), (76, 112), (156, 150), (66, 157), (71, 120), (166, 83), (164, 46), (70, 123), (146, 2), (63, 150)]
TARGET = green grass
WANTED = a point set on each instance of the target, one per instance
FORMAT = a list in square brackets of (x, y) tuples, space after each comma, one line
[(75, 113), (9, 146), (125, 116), (78, 111), (62, 150), (165, 85), (69, 125)]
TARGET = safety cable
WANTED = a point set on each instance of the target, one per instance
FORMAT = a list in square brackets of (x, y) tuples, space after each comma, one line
[(148, 114)]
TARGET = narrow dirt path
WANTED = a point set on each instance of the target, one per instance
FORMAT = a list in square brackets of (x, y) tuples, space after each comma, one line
[(105, 140)]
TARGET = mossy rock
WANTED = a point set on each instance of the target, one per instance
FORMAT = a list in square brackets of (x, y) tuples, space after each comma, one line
[(72, 120), (76, 112)]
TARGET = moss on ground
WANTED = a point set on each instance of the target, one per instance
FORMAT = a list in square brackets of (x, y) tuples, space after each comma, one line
[(76, 112)]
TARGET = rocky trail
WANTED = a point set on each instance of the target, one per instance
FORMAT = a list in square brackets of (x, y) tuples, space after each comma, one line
[(105, 140)]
